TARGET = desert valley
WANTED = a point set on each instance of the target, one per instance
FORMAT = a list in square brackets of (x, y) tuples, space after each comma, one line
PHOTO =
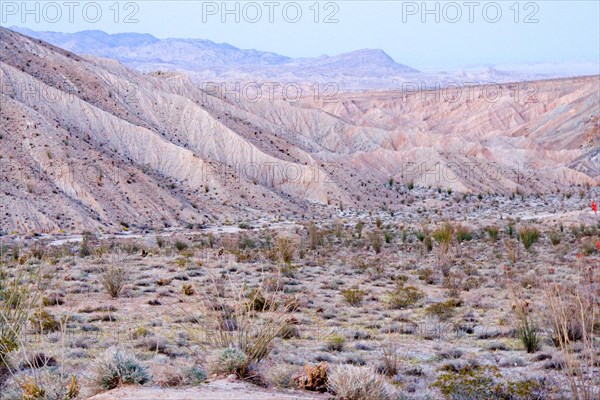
[(172, 235)]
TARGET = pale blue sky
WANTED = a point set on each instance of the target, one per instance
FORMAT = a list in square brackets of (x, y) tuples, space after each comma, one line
[(565, 31)]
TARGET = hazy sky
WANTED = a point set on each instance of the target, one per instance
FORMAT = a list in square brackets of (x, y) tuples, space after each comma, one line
[(466, 33)]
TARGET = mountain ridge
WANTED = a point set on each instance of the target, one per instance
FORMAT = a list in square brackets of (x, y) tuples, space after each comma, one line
[(91, 144)]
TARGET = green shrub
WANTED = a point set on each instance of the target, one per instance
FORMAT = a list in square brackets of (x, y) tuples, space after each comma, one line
[(44, 322), (443, 235), (529, 236), (116, 368), (527, 329), (471, 383), (388, 236), (404, 296), (443, 310), (180, 245), (231, 361), (353, 296), (463, 234), (196, 375), (359, 228), (17, 298), (492, 231), (336, 342)]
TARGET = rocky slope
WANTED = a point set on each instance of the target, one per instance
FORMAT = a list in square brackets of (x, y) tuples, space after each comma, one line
[(87, 143)]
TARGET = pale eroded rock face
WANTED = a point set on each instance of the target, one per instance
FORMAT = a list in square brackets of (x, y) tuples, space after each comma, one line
[(90, 144)]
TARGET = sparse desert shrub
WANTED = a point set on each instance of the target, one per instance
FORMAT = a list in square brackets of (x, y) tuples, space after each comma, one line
[(350, 382), (244, 225), (353, 296), (492, 231), (44, 322), (231, 361), (359, 228), (588, 246), (315, 377), (443, 235), (529, 236), (443, 310), (84, 249), (290, 330), (388, 236), (17, 299), (336, 342), (286, 249), (404, 296), (256, 301), (246, 323), (283, 376), (315, 237), (180, 245), (463, 234), (196, 375), (390, 361), (428, 243), (554, 237), (482, 383), (54, 387), (115, 368), (427, 275), (574, 312), (113, 280), (188, 289), (527, 329), (375, 237)]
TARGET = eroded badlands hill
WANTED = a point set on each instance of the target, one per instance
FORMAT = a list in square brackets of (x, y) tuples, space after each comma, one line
[(87, 143)]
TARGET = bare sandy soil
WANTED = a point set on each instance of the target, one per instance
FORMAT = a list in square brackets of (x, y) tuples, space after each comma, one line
[(217, 390)]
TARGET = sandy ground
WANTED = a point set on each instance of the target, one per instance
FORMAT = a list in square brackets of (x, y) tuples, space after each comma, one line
[(217, 390)]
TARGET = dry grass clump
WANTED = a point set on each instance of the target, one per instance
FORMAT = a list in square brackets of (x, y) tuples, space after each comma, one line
[(243, 319), (315, 377), (376, 241), (286, 249), (575, 321), (113, 280), (18, 297), (55, 387), (350, 382)]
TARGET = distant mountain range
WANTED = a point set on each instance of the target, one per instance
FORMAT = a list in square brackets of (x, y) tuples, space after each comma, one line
[(207, 61)]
